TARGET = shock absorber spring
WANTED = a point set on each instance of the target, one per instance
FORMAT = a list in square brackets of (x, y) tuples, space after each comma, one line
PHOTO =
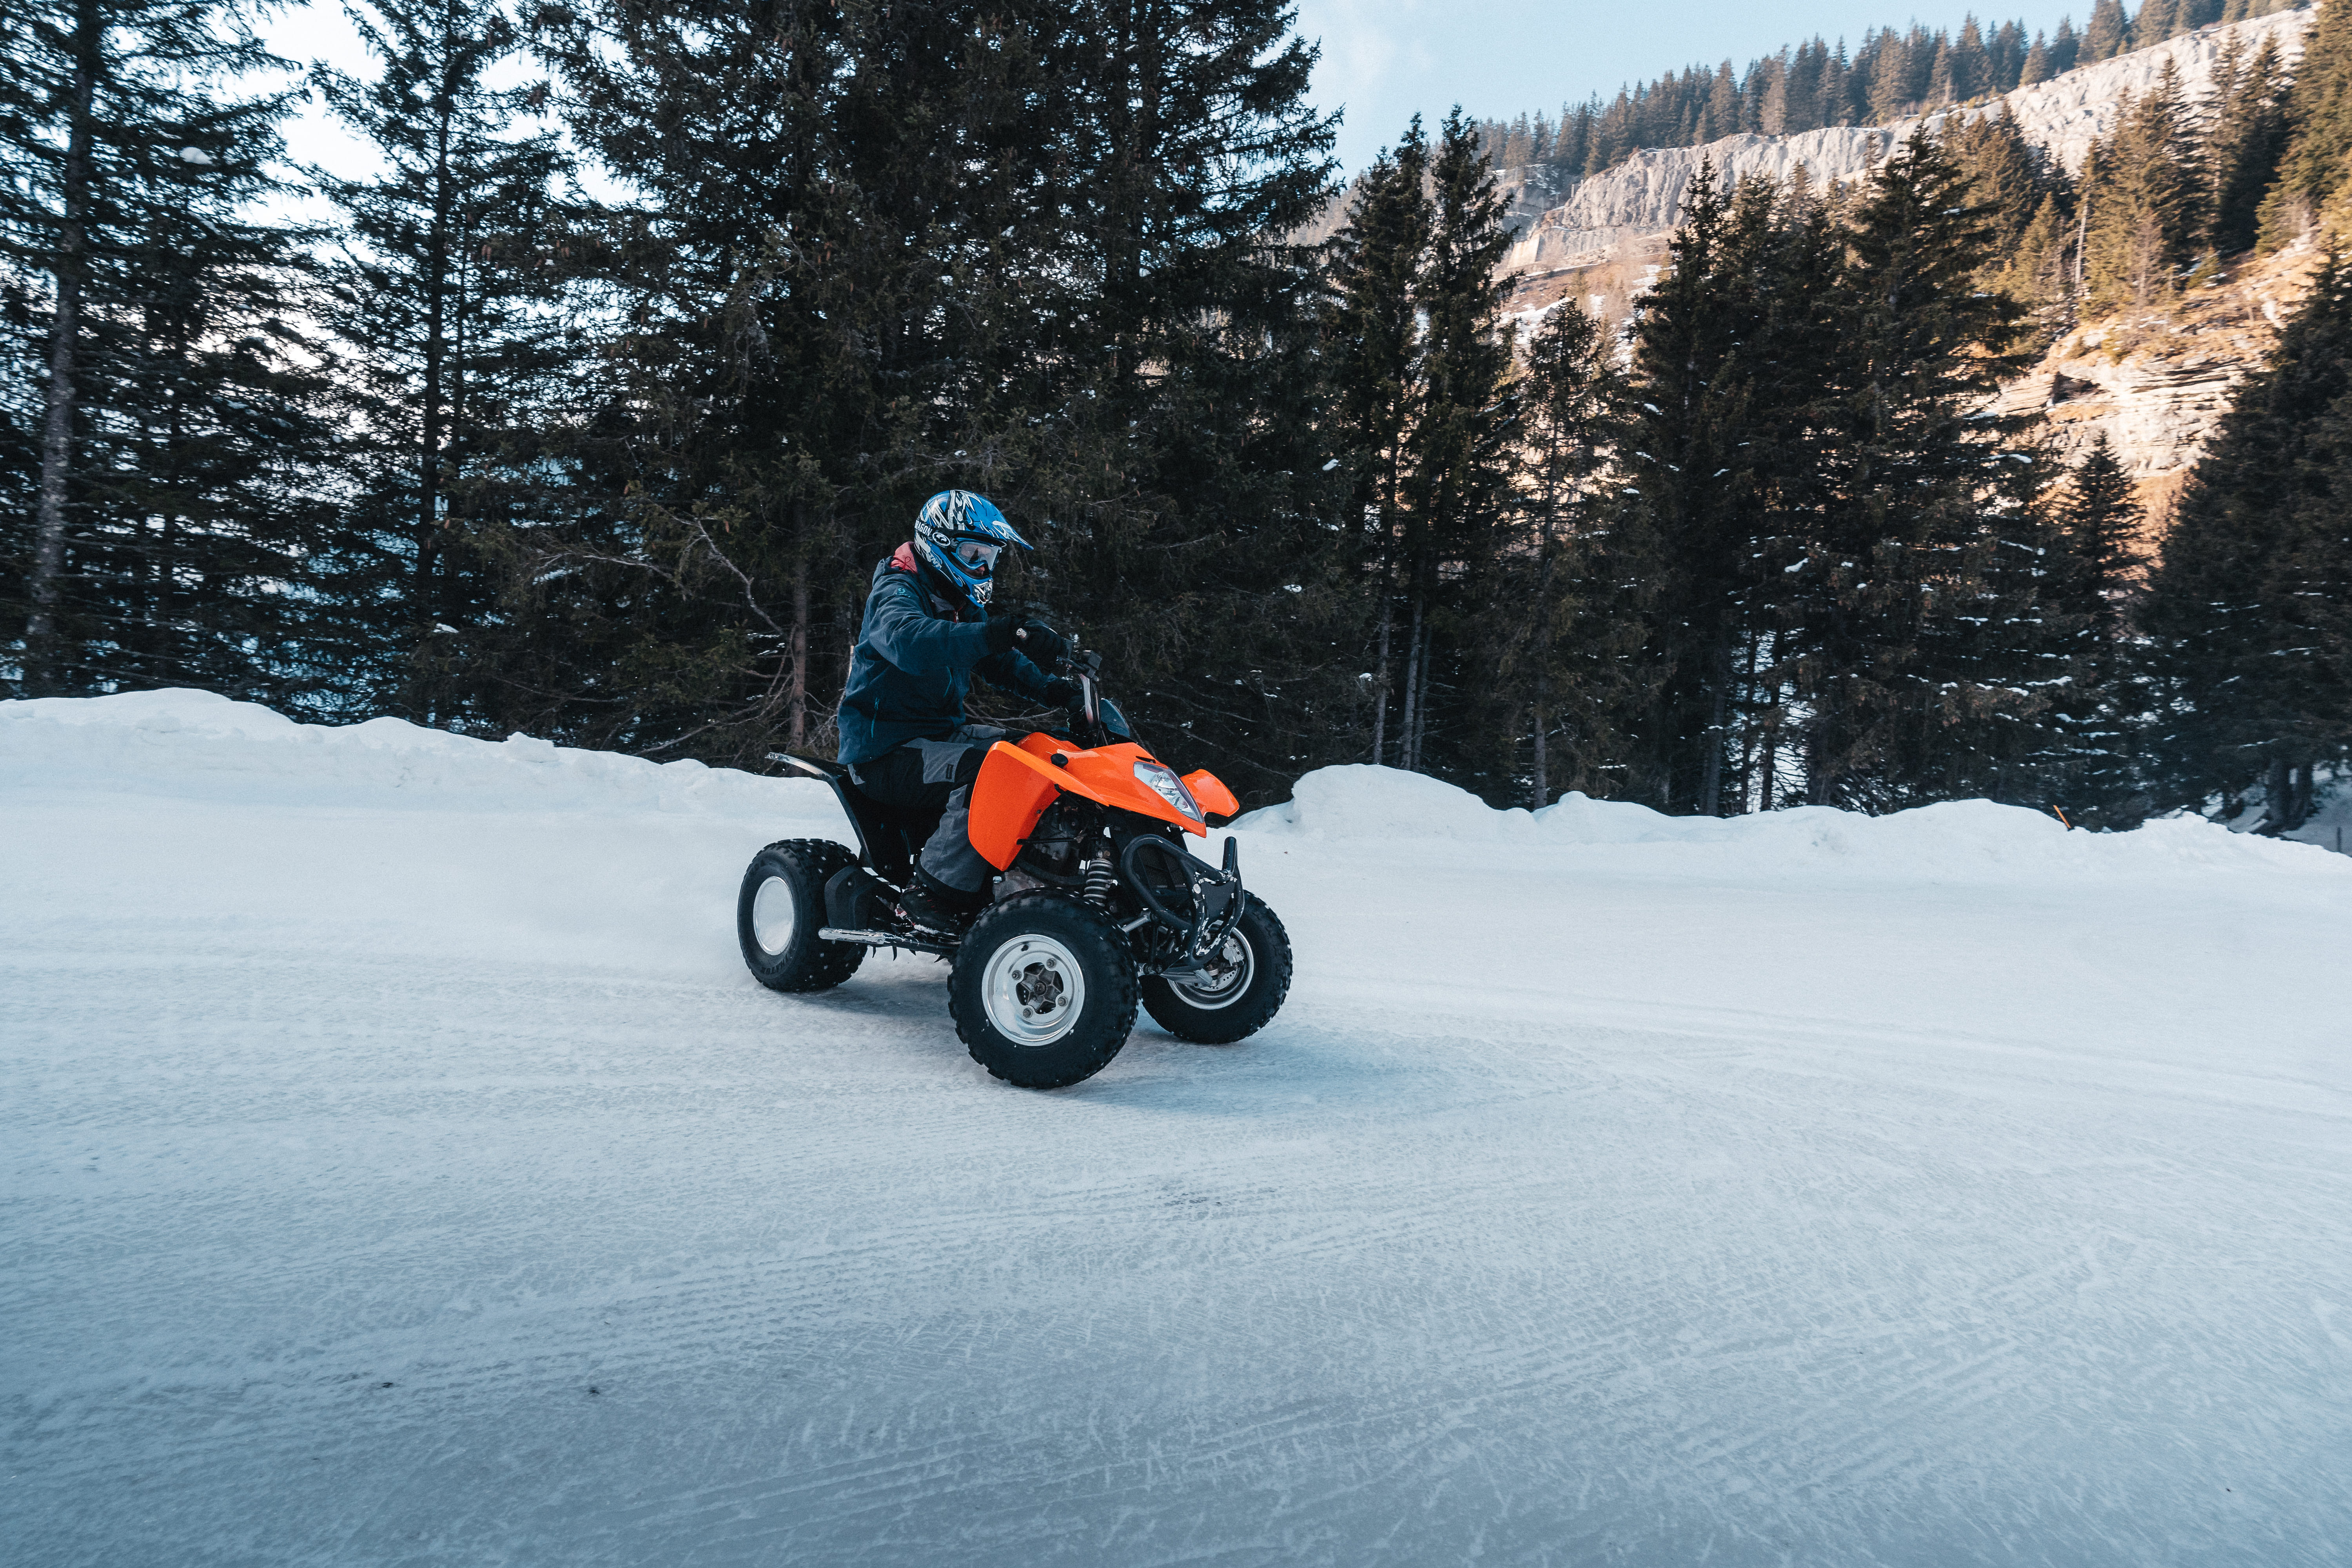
[(1100, 882)]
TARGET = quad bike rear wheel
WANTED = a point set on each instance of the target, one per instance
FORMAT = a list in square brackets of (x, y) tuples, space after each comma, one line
[(1044, 992), (1240, 989), (780, 910)]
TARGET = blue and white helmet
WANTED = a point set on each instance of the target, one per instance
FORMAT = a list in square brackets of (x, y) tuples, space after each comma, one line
[(959, 535)]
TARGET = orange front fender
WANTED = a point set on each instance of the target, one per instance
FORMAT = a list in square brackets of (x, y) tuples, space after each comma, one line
[(1016, 784), (1012, 790), (1211, 794)]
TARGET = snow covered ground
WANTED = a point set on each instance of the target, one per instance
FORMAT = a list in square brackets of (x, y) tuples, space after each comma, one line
[(400, 1167)]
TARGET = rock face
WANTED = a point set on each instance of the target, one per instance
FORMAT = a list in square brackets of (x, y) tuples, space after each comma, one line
[(2157, 382), (1642, 197)]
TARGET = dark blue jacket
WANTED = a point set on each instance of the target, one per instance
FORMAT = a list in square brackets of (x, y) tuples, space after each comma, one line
[(914, 661)]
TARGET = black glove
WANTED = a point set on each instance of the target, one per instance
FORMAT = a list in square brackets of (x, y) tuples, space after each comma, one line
[(1044, 645), (1061, 693), (1000, 633)]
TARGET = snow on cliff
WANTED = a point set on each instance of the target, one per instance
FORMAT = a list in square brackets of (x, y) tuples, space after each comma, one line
[(1642, 197)]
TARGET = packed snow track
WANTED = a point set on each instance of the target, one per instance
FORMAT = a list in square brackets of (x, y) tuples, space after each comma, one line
[(401, 1168)]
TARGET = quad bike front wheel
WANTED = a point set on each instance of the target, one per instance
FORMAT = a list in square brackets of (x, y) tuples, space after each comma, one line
[(782, 908), (1234, 995), (1044, 992)]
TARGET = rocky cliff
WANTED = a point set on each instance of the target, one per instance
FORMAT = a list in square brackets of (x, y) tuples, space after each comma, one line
[(2157, 382), (1582, 221)]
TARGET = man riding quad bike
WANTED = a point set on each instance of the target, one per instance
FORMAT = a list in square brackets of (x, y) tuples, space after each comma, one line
[(1052, 874)]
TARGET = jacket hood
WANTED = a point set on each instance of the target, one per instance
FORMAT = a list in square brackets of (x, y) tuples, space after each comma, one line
[(942, 604)]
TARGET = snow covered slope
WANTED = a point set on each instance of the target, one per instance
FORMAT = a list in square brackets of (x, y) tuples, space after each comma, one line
[(400, 1167)]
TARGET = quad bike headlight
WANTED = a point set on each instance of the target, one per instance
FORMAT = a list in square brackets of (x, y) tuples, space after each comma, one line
[(1164, 784)]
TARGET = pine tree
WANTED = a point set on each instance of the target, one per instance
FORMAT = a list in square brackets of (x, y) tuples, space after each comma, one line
[(1886, 604), (2146, 207), (1890, 80), (1455, 484), (2066, 49), (2243, 148), (1724, 383), (2025, 201), (2006, 54), (2103, 518), (2249, 617), (876, 250), (2319, 135), (1722, 116), (176, 399), (1690, 492), (1943, 77), (1574, 138), (1570, 656), (2096, 710), (2036, 69), (2008, 175), (1790, 363), (2038, 273), (1376, 352), (442, 302), (1970, 70), (2107, 34)]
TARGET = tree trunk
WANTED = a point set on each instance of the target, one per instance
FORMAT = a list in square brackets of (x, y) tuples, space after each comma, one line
[(1388, 622), (1408, 732), (1422, 701), (432, 393), (41, 675), (1745, 780), (1820, 776), (1543, 707), (2278, 799), (1710, 763), (797, 683), (1543, 645)]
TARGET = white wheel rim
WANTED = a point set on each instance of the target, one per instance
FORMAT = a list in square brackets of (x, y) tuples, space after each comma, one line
[(774, 916), (1033, 990), (1227, 976)]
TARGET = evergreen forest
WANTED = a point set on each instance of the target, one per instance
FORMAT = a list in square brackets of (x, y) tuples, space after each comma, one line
[(591, 414), (1895, 73)]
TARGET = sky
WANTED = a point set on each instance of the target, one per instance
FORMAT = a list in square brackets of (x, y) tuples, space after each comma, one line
[(1383, 60)]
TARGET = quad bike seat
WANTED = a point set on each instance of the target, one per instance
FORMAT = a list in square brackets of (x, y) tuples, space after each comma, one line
[(890, 835)]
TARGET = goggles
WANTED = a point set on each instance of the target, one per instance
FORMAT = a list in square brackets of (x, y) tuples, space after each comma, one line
[(977, 555)]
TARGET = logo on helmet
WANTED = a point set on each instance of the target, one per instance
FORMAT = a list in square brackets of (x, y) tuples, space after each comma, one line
[(959, 535)]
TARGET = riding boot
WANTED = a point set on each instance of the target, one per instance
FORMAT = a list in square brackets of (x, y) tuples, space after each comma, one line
[(931, 905)]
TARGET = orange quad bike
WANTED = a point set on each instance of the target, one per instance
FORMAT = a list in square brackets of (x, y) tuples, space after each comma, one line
[(1097, 904)]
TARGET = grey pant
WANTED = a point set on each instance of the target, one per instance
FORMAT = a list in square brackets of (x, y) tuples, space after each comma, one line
[(935, 775)]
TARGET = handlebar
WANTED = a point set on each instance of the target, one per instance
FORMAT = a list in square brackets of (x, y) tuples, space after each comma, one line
[(1085, 666)]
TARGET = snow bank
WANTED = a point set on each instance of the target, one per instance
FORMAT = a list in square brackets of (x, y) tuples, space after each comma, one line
[(1953, 838), (196, 743)]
